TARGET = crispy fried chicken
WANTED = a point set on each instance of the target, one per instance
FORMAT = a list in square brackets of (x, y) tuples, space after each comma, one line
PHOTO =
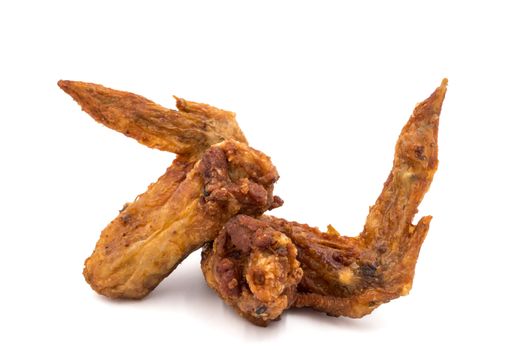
[(351, 276), (189, 204)]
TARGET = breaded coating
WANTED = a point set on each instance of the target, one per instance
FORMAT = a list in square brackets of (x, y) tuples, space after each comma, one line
[(351, 276), (253, 268), (177, 215), (190, 130)]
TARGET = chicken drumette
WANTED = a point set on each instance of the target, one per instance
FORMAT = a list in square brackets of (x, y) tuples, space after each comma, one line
[(254, 268)]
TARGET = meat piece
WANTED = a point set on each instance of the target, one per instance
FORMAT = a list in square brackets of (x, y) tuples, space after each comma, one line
[(126, 262), (351, 276), (188, 131), (177, 215), (253, 268)]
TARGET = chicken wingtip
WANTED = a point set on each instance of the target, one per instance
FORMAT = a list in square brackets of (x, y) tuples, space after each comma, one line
[(431, 107), (66, 85)]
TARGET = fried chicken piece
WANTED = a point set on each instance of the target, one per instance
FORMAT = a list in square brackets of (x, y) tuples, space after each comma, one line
[(188, 131), (253, 268), (351, 276), (177, 215), (126, 263)]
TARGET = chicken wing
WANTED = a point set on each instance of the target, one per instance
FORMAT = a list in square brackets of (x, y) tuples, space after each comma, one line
[(177, 215), (183, 209), (351, 276)]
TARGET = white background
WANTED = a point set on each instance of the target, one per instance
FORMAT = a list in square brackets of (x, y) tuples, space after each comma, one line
[(324, 89)]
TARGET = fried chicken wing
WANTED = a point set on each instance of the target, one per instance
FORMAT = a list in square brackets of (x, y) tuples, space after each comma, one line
[(253, 268), (177, 215), (127, 262), (351, 276), (190, 130)]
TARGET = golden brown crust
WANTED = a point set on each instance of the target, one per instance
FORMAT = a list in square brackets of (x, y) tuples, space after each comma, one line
[(190, 130), (176, 216)]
